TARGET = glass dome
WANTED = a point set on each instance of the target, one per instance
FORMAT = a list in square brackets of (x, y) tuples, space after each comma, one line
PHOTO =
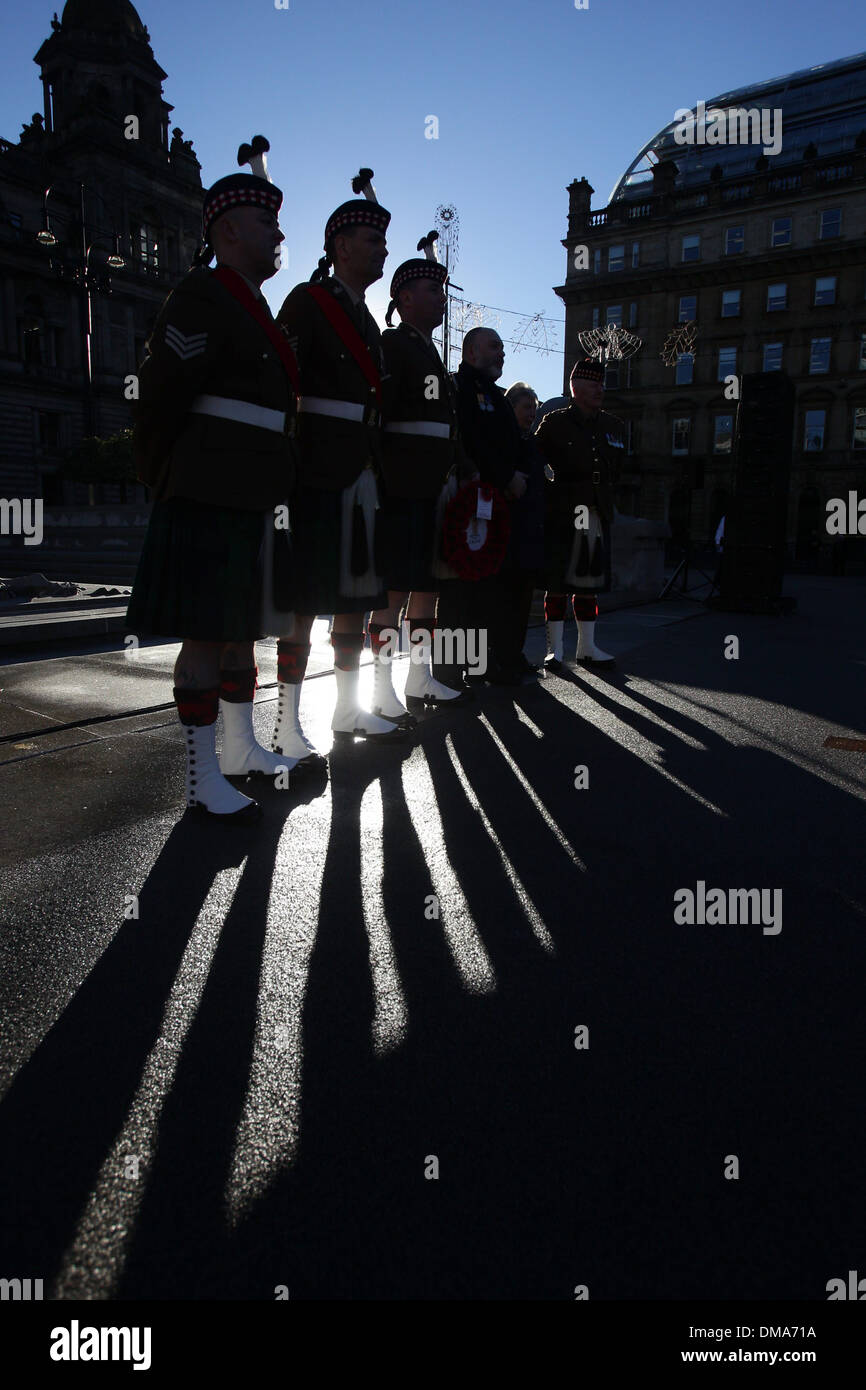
[(824, 105)]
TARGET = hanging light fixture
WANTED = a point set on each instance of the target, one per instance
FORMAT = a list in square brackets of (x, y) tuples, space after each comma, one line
[(46, 237)]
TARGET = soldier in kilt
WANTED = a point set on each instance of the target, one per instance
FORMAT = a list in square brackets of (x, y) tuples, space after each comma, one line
[(420, 450), (583, 445), (336, 507), (212, 439)]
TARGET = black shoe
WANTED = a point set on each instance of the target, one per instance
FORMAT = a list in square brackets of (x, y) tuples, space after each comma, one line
[(525, 667), (314, 764), (247, 815), (421, 703), (554, 667), (397, 735), (591, 661), (504, 675), (407, 721)]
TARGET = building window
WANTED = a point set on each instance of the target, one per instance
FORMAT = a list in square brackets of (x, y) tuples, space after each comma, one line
[(614, 315), (777, 297), (34, 345), (730, 304), (813, 433), (772, 357), (861, 365), (48, 429), (680, 435), (691, 248), (723, 434), (631, 436), (685, 368), (829, 223), (615, 257), (145, 246), (735, 240), (825, 289), (632, 317), (596, 314), (596, 261), (611, 376), (727, 363), (31, 343), (688, 308), (781, 234), (819, 356), (635, 255), (858, 438)]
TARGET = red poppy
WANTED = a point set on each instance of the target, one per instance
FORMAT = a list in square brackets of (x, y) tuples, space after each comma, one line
[(475, 548)]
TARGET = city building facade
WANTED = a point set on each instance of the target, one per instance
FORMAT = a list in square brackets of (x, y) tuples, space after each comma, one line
[(729, 256), (100, 214)]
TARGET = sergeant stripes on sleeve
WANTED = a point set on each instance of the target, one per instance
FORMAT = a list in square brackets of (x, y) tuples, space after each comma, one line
[(186, 345)]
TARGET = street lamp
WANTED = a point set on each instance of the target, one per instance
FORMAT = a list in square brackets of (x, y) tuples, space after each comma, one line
[(46, 237), (87, 281)]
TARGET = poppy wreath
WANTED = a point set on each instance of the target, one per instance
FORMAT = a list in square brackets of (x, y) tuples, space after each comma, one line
[(484, 559)]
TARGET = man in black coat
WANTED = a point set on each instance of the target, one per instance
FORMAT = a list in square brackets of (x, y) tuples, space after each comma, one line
[(491, 439)]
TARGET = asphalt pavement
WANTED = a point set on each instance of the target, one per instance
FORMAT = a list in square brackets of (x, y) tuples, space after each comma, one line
[(433, 1031)]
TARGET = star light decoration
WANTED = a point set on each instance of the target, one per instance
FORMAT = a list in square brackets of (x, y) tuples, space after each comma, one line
[(609, 344), (680, 340), (465, 315)]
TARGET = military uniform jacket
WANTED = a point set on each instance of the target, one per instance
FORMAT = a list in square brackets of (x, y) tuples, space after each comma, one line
[(488, 427), (332, 452), (585, 456), (418, 388), (206, 343)]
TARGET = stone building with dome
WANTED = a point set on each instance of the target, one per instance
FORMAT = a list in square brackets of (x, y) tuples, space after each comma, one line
[(94, 178), (763, 254)]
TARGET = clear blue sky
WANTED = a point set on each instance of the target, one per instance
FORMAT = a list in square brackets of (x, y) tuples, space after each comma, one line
[(528, 96)]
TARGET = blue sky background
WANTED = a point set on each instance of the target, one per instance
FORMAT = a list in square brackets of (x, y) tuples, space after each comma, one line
[(528, 96)]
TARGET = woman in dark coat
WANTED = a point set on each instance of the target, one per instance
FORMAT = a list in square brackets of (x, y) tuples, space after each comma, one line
[(524, 558)]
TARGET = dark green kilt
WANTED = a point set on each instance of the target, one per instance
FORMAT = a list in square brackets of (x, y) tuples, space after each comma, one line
[(409, 526), (200, 573), (316, 516), (558, 553)]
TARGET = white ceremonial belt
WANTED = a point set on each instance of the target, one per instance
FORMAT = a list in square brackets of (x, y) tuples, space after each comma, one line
[(323, 405), (437, 429), (243, 411)]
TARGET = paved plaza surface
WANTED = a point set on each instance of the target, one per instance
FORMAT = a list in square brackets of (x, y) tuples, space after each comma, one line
[(337, 1052)]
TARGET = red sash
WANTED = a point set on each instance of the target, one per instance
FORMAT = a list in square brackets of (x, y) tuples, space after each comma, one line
[(237, 286), (348, 335)]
